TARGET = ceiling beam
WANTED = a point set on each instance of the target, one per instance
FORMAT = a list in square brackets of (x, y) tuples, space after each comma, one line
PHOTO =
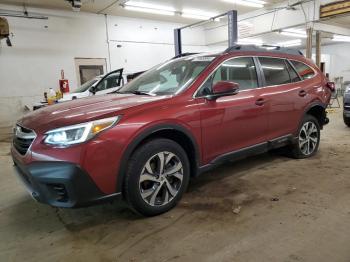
[(331, 29)]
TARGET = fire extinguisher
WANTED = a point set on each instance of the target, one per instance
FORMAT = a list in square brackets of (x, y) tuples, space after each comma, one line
[(64, 84)]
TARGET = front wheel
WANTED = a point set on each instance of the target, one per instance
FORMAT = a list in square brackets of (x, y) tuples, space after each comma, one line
[(308, 138), (157, 176)]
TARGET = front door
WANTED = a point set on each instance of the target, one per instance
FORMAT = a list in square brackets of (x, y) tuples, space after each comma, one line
[(234, 122)]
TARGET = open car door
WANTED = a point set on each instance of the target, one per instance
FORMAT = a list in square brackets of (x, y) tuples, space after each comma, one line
[(109, 83)]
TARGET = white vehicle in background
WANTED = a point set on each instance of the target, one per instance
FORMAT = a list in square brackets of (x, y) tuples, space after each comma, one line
[(100, 85)]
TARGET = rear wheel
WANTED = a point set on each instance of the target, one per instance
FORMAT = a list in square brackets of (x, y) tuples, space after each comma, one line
[(346, 120), (308, 138), (157, 176)]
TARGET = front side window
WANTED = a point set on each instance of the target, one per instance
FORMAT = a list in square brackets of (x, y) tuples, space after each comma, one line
[(169, 78), (240, 70), (110, 81), (275, 71), (303, 70), (86, 86)]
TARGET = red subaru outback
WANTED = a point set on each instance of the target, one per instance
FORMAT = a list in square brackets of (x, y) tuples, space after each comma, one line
[(172, 123)]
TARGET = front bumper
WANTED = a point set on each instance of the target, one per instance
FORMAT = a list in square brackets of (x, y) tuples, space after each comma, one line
[(60, 184), (347, 104)]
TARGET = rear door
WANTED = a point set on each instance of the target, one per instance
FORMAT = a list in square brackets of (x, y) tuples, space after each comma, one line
[(282, 87), (234, 122)]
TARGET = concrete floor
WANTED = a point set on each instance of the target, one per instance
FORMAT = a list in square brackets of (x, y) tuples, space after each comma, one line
[(307, 221)]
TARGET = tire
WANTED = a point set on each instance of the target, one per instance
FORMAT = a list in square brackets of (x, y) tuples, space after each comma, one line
[(307, 145), (346, 120), (157, 176)]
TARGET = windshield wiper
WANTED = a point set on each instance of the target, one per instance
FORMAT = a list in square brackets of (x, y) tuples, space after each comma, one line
[(137, 92)]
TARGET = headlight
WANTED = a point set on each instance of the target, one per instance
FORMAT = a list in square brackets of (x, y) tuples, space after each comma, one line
[(347, 90), (76, 134)]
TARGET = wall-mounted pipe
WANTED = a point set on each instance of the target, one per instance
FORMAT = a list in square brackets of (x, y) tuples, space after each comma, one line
[(21, 15)]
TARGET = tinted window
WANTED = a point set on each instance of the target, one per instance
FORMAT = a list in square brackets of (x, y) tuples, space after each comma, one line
[(239, 70), (303, 70), (275, 71), (293, 75)]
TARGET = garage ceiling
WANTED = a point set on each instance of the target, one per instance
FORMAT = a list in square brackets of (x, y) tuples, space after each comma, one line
[(112, 7)]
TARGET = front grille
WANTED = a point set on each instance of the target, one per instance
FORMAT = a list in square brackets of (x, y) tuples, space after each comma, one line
[(59, 191), (22, 139)]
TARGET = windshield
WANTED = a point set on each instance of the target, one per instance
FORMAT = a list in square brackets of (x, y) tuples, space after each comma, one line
[(85, 86), (169, 78)]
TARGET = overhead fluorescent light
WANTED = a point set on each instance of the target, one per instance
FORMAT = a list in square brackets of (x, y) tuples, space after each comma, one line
[(256, 1), (295, 30), (294, 33), (198, 14), (341, 38), (270, 47), (250, 3), (290, 43), (250, 41), (192, 16), (149, 8)]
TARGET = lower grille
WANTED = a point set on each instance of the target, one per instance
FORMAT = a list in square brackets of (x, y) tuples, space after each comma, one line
[(22, 139), (59, 191)]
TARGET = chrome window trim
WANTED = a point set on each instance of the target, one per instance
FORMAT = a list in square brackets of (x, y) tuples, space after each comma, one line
[(32, 136), (255, 56)]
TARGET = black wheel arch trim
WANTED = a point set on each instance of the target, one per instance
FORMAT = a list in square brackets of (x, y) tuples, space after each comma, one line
[(141, 137), (315, 103), (312, 105)]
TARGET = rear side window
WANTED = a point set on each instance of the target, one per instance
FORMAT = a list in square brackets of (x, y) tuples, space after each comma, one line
[(293, 75), (275, 71), (239, 70), (303, 70)]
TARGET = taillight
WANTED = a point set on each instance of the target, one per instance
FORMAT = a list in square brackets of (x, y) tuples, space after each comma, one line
[(331, 86)]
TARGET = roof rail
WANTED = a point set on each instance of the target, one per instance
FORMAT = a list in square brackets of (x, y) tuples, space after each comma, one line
[(184, 54), (264, 48)]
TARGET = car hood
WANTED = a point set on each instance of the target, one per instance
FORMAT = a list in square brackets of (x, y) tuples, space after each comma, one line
[(83, 110)]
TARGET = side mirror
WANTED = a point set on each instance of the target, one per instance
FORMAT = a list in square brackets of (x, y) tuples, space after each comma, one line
[(223, 88), (331, 86), (92, 90)]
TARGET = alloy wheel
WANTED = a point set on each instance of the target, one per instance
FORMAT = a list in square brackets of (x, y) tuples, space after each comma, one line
[(161, 178), (308, 138)]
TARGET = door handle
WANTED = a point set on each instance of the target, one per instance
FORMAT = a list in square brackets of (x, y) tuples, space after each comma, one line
[(302, 93), (260, 102)]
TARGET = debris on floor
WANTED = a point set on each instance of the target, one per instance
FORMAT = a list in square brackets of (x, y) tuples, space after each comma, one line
[(236, 210)]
